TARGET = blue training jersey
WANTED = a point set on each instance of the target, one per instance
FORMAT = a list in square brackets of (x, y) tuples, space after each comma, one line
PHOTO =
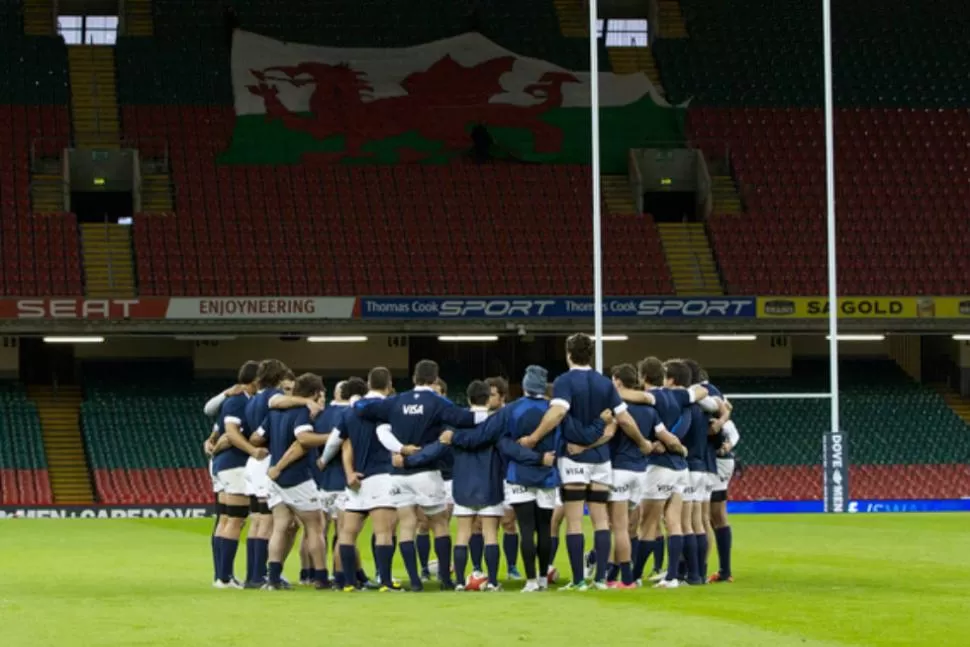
[(673, 407), (624, 453), (696, 439), (714, 441), (281, 428), (233, 411), (585, 393), (370, 456), (416, 416), (258, 407), (331, 478)]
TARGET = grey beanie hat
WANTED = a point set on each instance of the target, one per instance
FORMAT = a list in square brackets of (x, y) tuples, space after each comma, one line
[(534, 381)]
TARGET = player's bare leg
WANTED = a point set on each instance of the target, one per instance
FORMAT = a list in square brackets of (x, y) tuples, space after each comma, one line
[(282, 518)]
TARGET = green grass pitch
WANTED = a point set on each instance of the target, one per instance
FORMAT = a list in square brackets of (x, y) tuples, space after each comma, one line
[(801, 580)]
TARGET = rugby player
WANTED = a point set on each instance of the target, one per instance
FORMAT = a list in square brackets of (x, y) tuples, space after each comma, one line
[(293, 491), (409, 420), (478, 481), (211, 410), (498, 396), (229, 467), (582, 394), (422, 538), (370, 490), (531, 479)]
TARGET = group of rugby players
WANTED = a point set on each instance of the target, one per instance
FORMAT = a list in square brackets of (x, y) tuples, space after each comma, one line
[(647, 451)]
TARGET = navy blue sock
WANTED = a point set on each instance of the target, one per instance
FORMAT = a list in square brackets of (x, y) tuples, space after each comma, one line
[(373, 552), (612, 571), (339, 578), (690, 552), (304, 574), (250, 559), (640, 556), (442, 548), (229, 548), (658, 554), (410, 557), (702, 545), (574, 546), (216, 545), (476, 546), (723, 537), (510, 546), (362, 576), (348, 560), (262, 555), (275, 572), (319, 577), (385, 555), (491, 562), (626, 573), (675, 548), (461, 561), (601, 544), (553, 549), (423, 545), (634, 547)]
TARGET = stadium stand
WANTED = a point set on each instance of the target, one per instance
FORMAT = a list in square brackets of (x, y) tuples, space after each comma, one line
[(484, 216), (23, 465), (881, 408), (752, 69), (40, 254), (143, 436)]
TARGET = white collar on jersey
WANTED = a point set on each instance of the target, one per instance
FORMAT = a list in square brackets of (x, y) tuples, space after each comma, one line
[(374, 394), (423, 388), (581, 368), (334, 403), (478, 408)]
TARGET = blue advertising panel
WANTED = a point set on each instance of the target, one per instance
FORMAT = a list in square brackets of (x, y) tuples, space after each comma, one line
[(456, 308)]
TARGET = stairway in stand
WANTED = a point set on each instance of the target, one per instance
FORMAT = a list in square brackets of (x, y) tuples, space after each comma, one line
[(138, 18), (617, 194), (46, 193), (690, 258), (629, 60), (156, 193), (39, 17), (573, 18), (724, 195), (107, 256), (94, 97), (63, 443), (671, 19), (957, 403)]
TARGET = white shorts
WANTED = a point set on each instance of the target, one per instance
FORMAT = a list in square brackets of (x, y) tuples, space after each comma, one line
[(725, 469), (448, 487), (232, 481), (257, 482), (481, 511), (628, 486), (332, 503), (301, 498), (545, 498), (424, 489), (700, 487), (572, 472), (377, 491), (663, 483), (216, 483)]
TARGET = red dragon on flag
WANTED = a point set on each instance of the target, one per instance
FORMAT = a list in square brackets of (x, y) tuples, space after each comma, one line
[(442, 103)]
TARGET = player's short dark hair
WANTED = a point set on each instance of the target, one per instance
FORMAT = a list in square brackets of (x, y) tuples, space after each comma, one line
[(289, 375), (352, 386), (651, 370), (271, 373), (580, 348), (626, 374), (425, 372), (478, 393), (442, 385), (379, 378), (308, 385), (678, 372), (247, 372), (695, 371), (500, 384)]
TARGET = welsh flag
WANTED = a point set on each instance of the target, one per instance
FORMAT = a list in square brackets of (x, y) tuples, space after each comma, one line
[(300, 102)]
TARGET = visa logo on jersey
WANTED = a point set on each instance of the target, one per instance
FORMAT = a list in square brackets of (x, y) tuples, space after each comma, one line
[(414, 409)]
